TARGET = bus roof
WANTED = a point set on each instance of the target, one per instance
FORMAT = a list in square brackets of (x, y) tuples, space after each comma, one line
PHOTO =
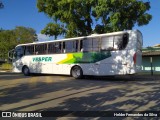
[(77, 38)]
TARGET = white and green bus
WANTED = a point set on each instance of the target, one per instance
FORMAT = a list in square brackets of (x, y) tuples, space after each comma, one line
[(117, 53)]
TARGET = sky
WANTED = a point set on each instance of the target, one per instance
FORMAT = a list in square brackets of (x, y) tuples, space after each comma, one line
[(25, 13)]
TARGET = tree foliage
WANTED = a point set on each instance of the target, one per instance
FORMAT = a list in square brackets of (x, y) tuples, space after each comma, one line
[(10, 38), (25, 35), (53, 30), (83, 17)]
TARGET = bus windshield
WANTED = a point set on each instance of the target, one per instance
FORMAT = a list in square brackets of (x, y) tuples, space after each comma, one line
[(18, 52)]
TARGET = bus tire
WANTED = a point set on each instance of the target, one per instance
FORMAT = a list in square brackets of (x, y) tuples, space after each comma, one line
[(26, 71), (77, 72)]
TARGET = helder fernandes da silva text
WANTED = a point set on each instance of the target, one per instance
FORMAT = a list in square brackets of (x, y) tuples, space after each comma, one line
[(136, 114)]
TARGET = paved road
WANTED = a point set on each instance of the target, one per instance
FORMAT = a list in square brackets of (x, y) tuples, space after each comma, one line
[(57, 93)]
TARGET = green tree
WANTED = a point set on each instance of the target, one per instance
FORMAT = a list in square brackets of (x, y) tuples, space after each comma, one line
[(7, 41), (74, 15), (24, 34), (83, 17), (117, 15), (10, 38), (53, 30)]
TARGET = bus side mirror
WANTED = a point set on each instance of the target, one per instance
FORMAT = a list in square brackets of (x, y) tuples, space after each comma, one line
[(15, 54), (11, 54)]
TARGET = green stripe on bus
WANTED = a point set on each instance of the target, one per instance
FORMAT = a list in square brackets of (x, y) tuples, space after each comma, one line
[(88, 57)]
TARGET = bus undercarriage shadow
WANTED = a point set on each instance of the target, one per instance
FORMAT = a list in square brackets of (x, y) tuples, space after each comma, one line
[(126, 78)]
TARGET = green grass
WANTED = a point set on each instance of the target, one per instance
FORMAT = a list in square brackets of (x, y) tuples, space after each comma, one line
[(6, 66)]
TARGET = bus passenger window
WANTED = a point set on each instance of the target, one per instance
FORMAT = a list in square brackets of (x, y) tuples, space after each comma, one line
[(51, 48), (54, 47), (95, 46), (29, 50), (58, 47), (118, 42), (107, 43), (69, 46), (37, 49), (75, 46), (40, 49), (87, 45)]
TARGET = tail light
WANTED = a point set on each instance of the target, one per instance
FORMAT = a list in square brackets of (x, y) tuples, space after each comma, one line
[(134, 58)]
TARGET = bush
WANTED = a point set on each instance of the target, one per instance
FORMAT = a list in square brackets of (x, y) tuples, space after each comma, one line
[(6, 66)]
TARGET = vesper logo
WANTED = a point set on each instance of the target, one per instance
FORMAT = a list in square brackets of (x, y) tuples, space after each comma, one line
[(42, 59)]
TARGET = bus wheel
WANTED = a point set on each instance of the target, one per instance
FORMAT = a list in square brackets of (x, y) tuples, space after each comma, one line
[(76, 72), (26, 71)]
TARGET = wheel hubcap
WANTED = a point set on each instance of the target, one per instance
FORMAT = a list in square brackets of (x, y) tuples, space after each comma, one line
[(76, 72)]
